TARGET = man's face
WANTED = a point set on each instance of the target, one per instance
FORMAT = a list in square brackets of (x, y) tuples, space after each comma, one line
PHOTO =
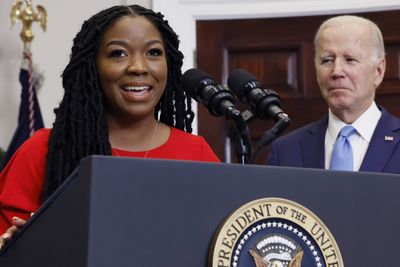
[(348, 71)]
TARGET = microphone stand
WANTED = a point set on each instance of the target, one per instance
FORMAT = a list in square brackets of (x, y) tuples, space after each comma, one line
[(282, 122), (243, 146)]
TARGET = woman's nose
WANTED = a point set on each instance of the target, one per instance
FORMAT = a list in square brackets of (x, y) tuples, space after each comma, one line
[(137, 65)]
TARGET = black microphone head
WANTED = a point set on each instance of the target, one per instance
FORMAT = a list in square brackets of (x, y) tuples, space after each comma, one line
[(193, 80), (239, 80)]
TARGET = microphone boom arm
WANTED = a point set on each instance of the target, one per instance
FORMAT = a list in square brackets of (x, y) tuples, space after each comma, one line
[(282, 122), (243, 148)]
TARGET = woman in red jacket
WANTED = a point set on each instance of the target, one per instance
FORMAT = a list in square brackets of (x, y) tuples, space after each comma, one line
[(123, 97)]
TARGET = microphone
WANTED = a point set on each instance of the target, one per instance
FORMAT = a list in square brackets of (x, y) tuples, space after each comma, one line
[(202, 87), (219, 101), (264, 102)]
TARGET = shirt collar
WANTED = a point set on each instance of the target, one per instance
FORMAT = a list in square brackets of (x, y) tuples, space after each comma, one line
[(363, 124), (366, 123)]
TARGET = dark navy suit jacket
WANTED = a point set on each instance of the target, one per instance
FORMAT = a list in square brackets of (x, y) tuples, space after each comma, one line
[(305, 147)]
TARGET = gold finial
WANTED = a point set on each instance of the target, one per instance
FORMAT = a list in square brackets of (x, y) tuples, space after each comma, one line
[(28, 16)]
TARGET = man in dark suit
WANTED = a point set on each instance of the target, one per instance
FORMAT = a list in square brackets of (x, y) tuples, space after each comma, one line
[(350, 65)]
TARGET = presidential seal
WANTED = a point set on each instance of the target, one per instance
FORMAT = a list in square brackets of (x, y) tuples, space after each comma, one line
[(274, 232)]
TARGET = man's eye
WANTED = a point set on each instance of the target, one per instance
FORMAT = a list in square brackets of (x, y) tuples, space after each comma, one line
[(326, 60), (350, 60), (155, 52), (117, 53)]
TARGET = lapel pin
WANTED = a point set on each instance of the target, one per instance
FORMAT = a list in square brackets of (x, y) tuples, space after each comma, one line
[(388, 138)]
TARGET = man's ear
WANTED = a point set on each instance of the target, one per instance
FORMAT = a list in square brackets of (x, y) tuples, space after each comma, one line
[(380, 72)]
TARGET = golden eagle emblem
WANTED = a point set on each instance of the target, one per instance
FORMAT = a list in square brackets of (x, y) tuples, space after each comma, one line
[(277, 251), (27, 15)]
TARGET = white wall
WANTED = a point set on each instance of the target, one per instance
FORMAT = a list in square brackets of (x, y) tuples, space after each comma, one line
[(51, 49), (50, 53)]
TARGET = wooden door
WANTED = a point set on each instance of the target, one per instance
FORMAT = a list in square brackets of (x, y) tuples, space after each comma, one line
[(279, 52)]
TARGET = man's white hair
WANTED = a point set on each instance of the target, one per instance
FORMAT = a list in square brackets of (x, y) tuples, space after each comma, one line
[(376, 36)]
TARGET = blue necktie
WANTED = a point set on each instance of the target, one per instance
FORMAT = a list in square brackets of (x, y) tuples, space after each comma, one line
[(342, 154)]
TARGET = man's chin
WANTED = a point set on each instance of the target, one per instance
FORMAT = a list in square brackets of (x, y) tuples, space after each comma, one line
[(338, 105)]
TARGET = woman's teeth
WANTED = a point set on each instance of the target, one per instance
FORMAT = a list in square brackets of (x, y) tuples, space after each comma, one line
[(136, 88)]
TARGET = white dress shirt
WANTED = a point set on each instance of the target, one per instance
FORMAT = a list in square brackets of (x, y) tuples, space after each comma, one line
[(365, 126)]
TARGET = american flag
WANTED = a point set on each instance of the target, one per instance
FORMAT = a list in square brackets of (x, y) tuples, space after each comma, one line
[(30, 117)]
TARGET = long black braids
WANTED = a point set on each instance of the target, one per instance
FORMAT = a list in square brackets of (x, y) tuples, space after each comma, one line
[(80, 128)]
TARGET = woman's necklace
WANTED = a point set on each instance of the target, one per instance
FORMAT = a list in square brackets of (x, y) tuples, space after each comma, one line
[(148, 146)]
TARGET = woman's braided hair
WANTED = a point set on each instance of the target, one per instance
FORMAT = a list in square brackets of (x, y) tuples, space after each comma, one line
[(80, 128)]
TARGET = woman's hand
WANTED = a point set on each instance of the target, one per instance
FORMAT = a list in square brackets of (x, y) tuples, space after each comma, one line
[(17, 224)]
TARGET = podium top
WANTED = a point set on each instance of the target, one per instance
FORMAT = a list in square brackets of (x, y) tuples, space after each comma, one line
[(162, 212)]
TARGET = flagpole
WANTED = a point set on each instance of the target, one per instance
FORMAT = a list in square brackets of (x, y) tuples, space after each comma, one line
[(28, 16), (29, 117)]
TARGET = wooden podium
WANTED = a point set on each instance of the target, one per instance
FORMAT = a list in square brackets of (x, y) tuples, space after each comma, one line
[(144, 212)]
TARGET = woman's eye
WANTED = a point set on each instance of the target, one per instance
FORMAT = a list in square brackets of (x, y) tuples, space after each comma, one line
[(155, 52), (117, 53)]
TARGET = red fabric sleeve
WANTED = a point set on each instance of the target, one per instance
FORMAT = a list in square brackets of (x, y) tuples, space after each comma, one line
[(21, 181), (208, 153)]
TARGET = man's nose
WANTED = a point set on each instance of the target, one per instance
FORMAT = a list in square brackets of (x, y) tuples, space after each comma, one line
[(338, 68)]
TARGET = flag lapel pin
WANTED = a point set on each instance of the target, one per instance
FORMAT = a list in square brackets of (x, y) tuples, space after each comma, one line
[(388, 138)]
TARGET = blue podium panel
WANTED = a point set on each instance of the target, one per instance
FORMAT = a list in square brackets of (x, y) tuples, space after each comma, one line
[(145, 212)]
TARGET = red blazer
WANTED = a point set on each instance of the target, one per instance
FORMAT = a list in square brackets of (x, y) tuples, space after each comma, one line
[(21, 181)]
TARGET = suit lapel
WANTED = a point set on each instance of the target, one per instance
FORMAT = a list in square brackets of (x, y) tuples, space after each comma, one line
[(383, 142), (313, 145)]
